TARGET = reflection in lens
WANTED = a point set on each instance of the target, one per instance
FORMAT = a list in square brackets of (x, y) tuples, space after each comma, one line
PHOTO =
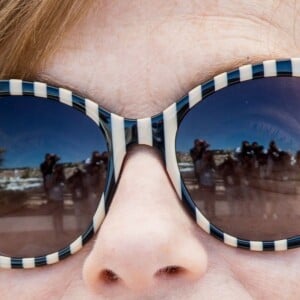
[(238, 153), (53, 163)]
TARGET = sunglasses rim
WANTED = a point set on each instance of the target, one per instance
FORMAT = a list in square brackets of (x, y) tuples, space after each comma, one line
[(163, 128)]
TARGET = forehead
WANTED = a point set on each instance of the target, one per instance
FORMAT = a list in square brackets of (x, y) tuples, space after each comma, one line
[(138, 58)]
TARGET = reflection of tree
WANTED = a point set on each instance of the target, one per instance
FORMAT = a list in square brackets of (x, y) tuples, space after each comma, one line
[(2, 151)]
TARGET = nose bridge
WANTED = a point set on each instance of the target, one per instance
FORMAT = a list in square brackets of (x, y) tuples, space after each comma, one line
[(158, 131), (128, 132)]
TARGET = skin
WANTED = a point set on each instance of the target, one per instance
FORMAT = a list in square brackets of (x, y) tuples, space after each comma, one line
[(135, 58)]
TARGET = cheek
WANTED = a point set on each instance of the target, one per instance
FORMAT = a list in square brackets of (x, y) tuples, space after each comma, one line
[(50, 282), (268, 275), (259, 275)]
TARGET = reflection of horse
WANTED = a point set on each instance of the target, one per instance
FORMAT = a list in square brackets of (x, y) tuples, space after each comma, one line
[(86, 182), (280, 163), (229, 171), (95, 170), (56, 186), (252, 162), (76, 184)]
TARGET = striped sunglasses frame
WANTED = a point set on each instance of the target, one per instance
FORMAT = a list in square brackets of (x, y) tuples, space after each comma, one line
[(158, 131)]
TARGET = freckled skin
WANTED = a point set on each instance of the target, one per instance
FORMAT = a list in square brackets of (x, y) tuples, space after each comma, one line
[(135, 58)]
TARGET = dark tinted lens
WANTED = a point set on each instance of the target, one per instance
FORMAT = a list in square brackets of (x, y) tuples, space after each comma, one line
[(239, 156), (53, 164)]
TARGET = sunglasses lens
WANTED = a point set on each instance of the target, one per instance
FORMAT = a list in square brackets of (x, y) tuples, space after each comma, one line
[(53, 162), (238, 152)]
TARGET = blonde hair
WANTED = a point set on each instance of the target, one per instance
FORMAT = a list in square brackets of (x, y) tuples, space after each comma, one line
[(29, 31)]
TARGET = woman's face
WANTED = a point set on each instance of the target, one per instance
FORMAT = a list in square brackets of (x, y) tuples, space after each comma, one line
[(135, 58)]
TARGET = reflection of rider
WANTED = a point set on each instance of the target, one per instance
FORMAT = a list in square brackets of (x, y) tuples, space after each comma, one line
[(297, 157), (47, 167), (197, 152), (93, 170), (56, 195), (207, 170), (273, 157), (57, 184), (273, 151), (260, 160), (246, 156)]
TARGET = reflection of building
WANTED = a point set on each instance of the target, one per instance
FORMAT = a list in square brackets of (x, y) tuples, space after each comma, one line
[(27, 178), (19, 179), (19, 184)]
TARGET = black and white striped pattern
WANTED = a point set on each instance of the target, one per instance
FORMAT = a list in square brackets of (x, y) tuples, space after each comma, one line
[(159, 131)]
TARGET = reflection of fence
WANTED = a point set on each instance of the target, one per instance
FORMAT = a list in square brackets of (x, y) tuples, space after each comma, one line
[(19, 184)]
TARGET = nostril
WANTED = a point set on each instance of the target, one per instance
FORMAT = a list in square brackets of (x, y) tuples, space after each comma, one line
[(109, 277), (170, 271)]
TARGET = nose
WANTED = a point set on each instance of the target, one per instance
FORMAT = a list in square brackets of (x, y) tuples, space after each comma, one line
[(146, 240)]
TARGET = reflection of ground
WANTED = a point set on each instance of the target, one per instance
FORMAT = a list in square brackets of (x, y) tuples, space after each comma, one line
[(250, 209), (31, 225)]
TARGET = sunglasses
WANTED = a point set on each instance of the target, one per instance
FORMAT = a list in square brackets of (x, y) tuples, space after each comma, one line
[(231, 148)]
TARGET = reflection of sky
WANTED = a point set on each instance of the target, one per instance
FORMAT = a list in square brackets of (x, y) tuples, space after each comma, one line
[(29, 129), (257, 110)]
